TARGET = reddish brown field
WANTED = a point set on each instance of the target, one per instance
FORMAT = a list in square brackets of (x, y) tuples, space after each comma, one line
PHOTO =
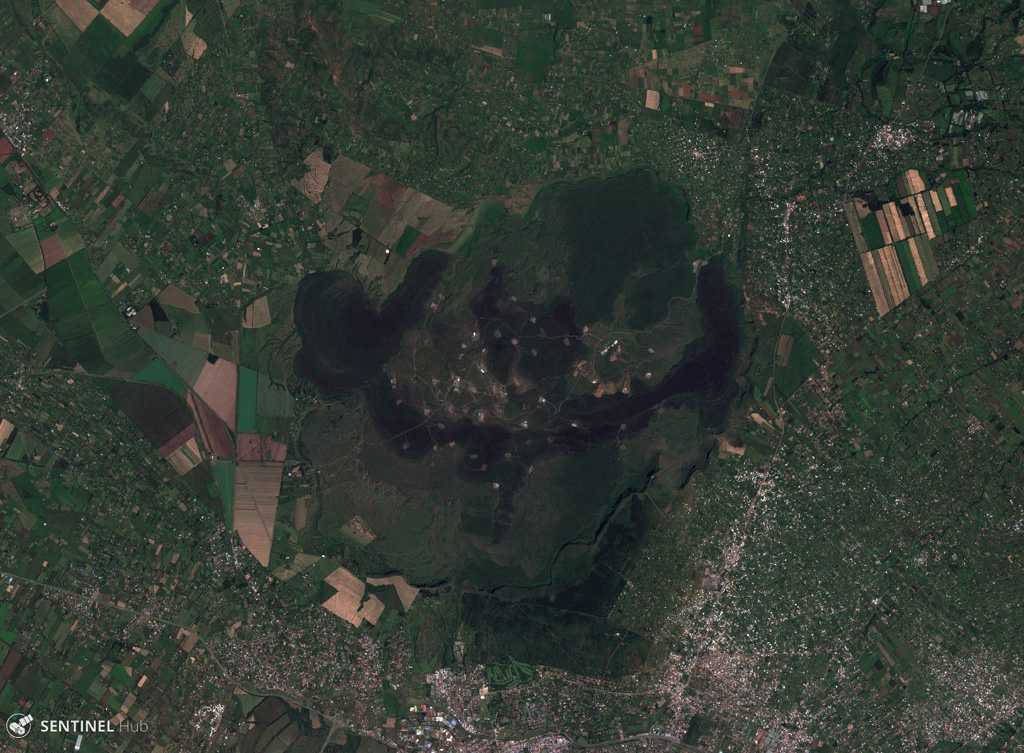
[(254, 449), (217, 386), (212, 431), (53, 251), (177, 441)]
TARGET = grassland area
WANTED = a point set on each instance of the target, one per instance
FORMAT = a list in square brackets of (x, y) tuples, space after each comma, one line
[(493, 376)]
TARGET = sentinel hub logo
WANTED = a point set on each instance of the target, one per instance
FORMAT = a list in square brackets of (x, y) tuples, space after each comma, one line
[(19, 725)]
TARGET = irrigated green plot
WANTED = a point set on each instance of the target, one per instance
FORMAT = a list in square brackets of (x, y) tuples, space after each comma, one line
[(183, 360), (796, 358), (62, 295), (908, 266), (408, 237), (872, 231), (69, 237), (86, 321), (65, 29), (97, 44), (157, 372), (224, 475), (247, 393), (964, 198), (152, 88), (27, 246), (108, 324), (23, 324), (18, 283)]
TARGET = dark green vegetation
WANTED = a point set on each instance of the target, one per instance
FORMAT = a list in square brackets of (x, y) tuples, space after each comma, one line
[(18, 283), (548, 636), (653, 250), (119, 65), (160, 414), (87, 322), (346, 342), (530, 495), (785, 357)]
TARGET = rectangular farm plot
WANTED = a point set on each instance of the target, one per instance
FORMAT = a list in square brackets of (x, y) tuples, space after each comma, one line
[(215, 437), (397, 216), (879, 291), (6, 429), (87, 322), (872, 232), (371, 610), (853, 218), (95, 47), (273, 403), (186, 457), (252, 448), (18, 282), (171, 446), (885, 278), (174, 296), (53, 251), (27, 246), (257, 488), (910, 272), (895, 239), (347, 584), (156, 372), (217, 386), (66, 30), (257, 314), (224, 478), (784, 348), (894, 273), (81, 12), (70, 238), (124, 16), (248, 383)]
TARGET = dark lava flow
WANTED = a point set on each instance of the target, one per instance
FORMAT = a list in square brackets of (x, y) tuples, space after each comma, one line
[(346, 344)]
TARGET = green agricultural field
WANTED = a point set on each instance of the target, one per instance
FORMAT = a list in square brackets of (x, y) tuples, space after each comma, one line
[(70, 238), (872, 232), (362, 11), (26, 244), (224, 475), (25, 325), (97, 45), (157, 372), (274, 401), (64, 27), (248, 382), (908, 266), (785, 357), (18, 284), (86, 321), (185, 361), (796, 358)]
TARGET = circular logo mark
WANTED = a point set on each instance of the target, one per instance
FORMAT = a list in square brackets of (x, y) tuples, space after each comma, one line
[(18, 725)]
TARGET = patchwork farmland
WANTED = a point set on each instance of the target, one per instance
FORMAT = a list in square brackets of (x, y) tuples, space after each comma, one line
[(896, 239)]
